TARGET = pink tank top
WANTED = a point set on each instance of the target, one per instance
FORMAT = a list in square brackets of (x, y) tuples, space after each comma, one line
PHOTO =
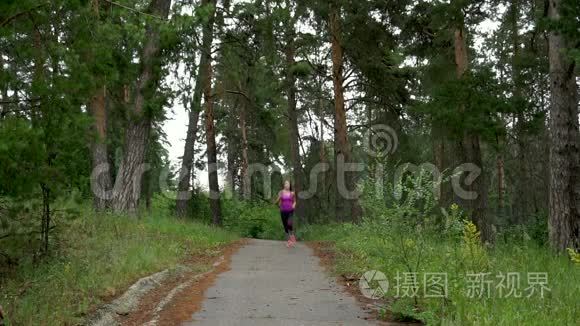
[(286, 201)]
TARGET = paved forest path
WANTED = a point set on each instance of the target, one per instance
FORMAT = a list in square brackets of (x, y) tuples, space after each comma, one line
[(269, 284)]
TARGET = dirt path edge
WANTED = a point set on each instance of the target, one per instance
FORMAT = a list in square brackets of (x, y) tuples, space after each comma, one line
[(129, 305)]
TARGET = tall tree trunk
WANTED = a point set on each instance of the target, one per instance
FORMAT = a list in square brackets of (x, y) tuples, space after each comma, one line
[(100, 154), (323, 203), (322, 153), (345, 209), (148, 190), (522, 201), (97, 106), (46, 217), (232, 154), (298, 173), (245, 107), (41, 119), (564, 221), (470, 148), (500, 183), (4, 93), (186, 171), (214, 191), (129, 178)]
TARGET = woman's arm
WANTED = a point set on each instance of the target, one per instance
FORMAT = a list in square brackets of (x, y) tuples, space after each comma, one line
[(294, 200), (277, 201)]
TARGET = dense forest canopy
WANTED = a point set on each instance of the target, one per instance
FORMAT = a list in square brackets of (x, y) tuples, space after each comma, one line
[(483, 95)]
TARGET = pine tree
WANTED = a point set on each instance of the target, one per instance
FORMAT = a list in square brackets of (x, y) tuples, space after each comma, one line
[(210, 132), (98, 109), (289, 51), (129, 176), (564, 221), (343, 151)]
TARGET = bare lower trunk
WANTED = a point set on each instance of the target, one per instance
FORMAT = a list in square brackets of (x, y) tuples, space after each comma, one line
[(46, 217), (345, 209), (523, 202), (500, 183), (470, 145), (4, 93), (232, 166), (148, 195), (212, 164), (129, 178), (246, 181), (322, 153), (564, 221), (440, 156)]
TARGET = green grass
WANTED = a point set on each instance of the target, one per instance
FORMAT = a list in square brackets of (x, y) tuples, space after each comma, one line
[(96, 257), (379, 246)]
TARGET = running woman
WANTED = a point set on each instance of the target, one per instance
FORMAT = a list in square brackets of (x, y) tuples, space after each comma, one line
[(287, 202)]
